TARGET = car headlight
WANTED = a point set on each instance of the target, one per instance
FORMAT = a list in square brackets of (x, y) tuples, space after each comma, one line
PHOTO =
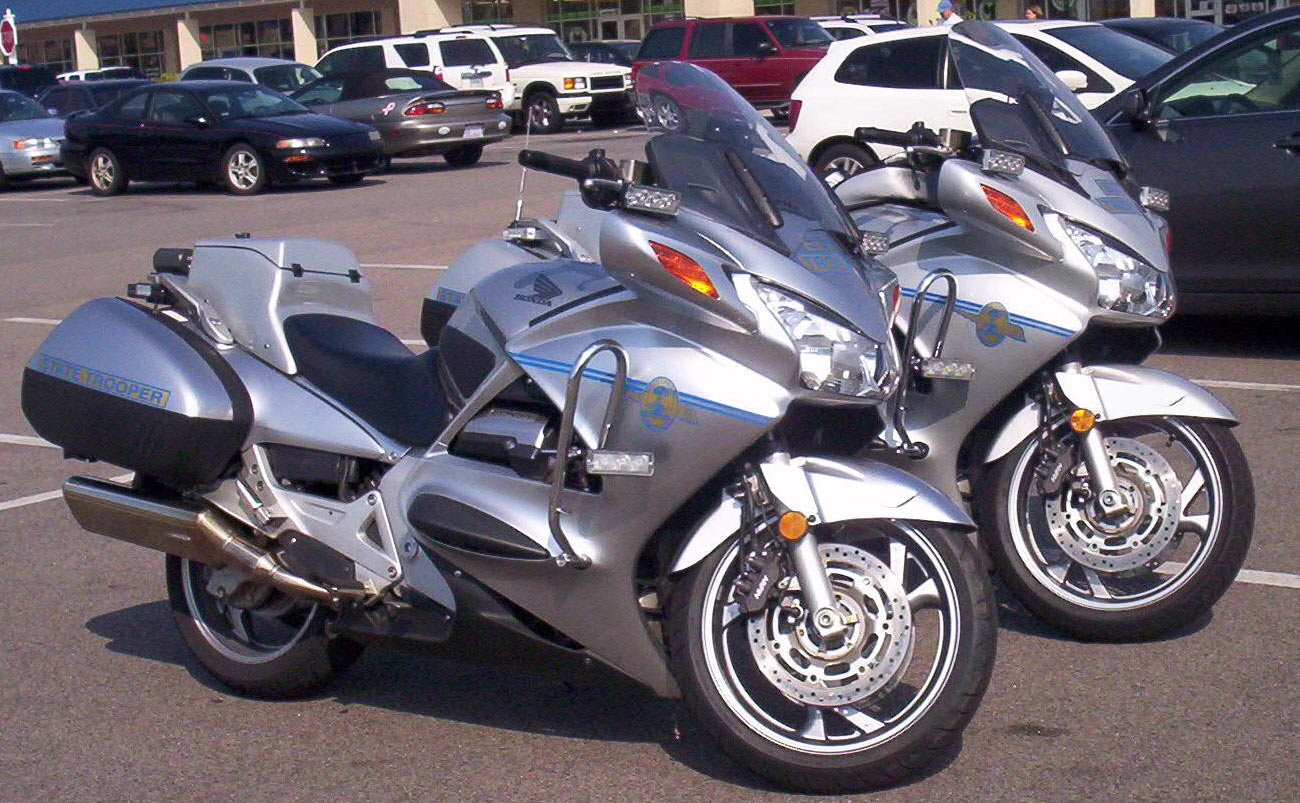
[(627, 80), (306, 142), (33, 142), (1125, 283), (571, 84), (832, 357)]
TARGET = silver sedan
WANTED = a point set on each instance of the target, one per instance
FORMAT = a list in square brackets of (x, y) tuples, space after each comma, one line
[(29, 140)]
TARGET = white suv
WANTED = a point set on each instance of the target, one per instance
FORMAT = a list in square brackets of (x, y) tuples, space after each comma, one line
[(895, 79), (463, 60), (853, 26), (550, 84)]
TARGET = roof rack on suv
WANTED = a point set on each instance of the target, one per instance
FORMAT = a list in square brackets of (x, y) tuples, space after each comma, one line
[(476, 26)]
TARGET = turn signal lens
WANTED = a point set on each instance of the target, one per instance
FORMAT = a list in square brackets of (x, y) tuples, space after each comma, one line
[(684, 268), (416, 109), (1007, 207), (792, 525), (1081, 420), (494, 102)]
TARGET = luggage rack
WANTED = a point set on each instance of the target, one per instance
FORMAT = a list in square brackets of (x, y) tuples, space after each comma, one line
[(933, 367), (599, 460)]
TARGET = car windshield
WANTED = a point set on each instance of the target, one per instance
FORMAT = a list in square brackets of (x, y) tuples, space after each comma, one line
[(729, 164), (532, 48), (249, 100), (1130, 57), (14, 106), (286, 77), (1017, 104), (797, 32)]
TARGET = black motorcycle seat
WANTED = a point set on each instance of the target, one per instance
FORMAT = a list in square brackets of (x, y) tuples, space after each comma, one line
[(368, 370)]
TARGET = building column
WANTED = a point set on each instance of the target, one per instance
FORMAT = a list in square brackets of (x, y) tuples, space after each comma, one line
[(419, 15), (528, 12), (1142, 8), (718, 8), (84, 51), (303, 21), (189, 50), (927, 12), (1012, 9), (810, 8)]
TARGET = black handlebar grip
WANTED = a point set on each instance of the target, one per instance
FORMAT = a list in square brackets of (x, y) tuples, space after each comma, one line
[(550, 163), (884, 136)]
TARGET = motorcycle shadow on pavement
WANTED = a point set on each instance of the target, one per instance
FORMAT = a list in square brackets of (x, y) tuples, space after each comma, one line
[(483, 676), (1231, 336), (1016, 618)]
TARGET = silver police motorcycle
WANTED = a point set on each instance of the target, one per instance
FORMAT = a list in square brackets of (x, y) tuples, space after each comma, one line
[(1113, 498), (630, 457)]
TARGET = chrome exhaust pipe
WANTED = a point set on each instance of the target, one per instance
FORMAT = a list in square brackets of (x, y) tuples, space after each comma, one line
[(183, 529)]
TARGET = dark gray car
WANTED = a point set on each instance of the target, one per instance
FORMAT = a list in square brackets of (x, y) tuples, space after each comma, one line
[(416, 113)]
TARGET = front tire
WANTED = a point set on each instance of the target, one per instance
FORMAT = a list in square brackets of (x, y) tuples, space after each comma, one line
[(876, 708), (1111, 580), (243, 171), (845, 158), (263, 645), (105, 173), (542, 113)]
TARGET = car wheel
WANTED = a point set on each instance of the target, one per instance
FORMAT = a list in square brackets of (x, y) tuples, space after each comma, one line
[(542, 113), (667, 113), (347, 180), (242, 170), (844, 158), (464, 156), (105, 172)]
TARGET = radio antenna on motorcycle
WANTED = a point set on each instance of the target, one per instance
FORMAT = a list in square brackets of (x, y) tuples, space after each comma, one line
[(523, 171)]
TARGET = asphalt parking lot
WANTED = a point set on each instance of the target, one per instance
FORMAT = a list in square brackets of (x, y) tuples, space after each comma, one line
[(102, 702)]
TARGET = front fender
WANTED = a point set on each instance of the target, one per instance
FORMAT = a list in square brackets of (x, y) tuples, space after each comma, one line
[(832, 490), (1113, 392)]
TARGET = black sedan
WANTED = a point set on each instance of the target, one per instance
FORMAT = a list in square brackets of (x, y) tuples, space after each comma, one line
[(1219, 127), (609, 51), (415, 113), (240, 135), (62, 100), (1175, 34)]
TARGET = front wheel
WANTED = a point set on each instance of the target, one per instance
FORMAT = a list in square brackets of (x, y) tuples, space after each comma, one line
[(1153, 567), (844, 158), (242, 170), (253, 638), (869, 709), (542, 113), (105, 172)]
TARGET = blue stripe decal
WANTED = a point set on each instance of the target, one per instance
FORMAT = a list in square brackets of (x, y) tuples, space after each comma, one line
[(637, 386), (972, 307)]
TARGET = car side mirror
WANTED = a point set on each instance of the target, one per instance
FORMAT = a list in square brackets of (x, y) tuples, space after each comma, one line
[(1137, 108), (1074, 80), (198, 122), (765, 49)]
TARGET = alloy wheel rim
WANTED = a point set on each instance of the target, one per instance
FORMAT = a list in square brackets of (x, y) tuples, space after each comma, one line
[(836, 726), (243, 170), (247, 636), (846, 165), (101, 171), (1081, 581)]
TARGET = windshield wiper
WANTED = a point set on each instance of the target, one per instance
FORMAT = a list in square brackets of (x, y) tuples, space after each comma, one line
[(755, 190)]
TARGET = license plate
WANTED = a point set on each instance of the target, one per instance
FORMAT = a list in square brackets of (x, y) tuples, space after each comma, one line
[(477, 83), (473, 132), (42, 159)]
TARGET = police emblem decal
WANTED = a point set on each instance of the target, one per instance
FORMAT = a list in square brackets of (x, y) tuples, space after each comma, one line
[(993, 324), (660, 404)]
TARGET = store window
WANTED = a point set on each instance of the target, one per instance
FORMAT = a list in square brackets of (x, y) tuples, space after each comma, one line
[(53, 53), (270, 38), (333, 30), (481, 11), (142, 50), (585, 20), (764, 7)]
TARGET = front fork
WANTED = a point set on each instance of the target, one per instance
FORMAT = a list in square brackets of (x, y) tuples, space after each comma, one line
[(1101, 474)]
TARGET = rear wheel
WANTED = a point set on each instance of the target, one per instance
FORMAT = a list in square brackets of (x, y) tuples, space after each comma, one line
[(242, 171), (844, 158), (464, 156), (867, 710), (105, 172), (253, 638)]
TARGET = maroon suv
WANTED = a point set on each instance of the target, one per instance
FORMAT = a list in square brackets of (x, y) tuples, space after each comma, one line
[(762, 57)]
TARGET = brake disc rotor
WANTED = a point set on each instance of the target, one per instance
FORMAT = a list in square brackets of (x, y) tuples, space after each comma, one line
[(866, 662), (1138, 534)]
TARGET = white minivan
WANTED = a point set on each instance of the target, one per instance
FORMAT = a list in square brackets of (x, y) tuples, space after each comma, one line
[(463, 60)]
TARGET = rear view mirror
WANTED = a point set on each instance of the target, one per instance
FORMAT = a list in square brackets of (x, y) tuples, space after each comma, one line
[(198, 122), (1074, 80), (765, 49), (1136, 109)]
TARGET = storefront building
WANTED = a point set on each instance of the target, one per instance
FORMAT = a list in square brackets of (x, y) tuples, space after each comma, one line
[(162, 37)]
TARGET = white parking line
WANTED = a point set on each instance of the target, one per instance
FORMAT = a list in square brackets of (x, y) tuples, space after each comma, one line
[(1230, 384), (25, 440), (24, 501), (413, 343), (402, 267), (44, 321), (1279, 579), (26, 225)]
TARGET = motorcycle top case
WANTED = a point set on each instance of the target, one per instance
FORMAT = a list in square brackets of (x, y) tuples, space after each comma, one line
[(119, 383)]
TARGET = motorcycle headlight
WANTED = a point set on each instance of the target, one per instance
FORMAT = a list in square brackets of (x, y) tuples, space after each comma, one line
[(306, 142), (1125, 283), (832, 357)]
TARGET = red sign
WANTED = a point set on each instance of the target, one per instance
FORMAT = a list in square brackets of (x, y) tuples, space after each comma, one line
[(8, 37)]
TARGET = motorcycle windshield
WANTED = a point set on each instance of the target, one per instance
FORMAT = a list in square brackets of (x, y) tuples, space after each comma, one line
[(728, 163), (1017, 104)]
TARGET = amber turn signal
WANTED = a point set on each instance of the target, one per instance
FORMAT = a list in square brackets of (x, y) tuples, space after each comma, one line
[(1007, 207), (1081, 420), (685, 269), (792, 525)]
